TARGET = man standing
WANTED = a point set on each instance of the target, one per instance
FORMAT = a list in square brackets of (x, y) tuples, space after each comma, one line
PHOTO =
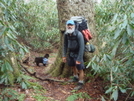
[(73, 51)]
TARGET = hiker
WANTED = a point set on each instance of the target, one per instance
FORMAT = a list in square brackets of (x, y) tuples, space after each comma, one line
[(73, 51)]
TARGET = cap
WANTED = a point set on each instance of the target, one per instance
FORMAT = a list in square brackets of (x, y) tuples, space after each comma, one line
[(70, 22)]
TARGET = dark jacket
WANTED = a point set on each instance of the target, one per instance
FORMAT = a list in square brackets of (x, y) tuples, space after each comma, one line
[(78, 39)]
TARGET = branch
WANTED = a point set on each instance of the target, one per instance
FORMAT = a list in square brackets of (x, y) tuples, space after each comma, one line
[(42, 79)]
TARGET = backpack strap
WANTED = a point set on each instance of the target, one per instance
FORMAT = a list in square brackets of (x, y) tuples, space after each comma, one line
[(73, 37)]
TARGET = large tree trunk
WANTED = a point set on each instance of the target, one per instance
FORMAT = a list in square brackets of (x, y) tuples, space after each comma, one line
[(67, 9)]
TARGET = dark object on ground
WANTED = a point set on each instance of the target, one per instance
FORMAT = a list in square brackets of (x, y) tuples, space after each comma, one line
[(79, 86), (40, 59), (26, 61), (74, 79)]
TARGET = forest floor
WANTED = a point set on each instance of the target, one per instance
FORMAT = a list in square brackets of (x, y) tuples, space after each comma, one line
[(59, 91)]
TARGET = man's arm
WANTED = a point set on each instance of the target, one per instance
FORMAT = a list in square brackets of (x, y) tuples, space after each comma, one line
[(81, 47)]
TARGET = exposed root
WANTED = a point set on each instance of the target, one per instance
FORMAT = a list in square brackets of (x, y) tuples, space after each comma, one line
[(42, 79)]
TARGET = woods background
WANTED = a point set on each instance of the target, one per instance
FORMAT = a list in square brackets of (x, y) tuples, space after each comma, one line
[(37, 26)]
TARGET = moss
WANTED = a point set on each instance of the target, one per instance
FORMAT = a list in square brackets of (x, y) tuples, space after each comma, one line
[(11, 78), (15, 65), (55, 68), (66, 71)]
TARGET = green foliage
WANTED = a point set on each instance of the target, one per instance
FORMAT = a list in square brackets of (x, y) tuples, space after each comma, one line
[(75, 96), (115, 60), (8, 41), (34, 24), (11, 95), (24, 81), (6, 70), (39, 95), (38, 24)]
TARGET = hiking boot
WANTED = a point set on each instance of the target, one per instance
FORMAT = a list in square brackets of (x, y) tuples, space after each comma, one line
[(74, 80), (79, 86)]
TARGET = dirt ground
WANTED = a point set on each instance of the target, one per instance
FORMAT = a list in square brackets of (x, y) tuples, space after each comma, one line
[(60, 91)]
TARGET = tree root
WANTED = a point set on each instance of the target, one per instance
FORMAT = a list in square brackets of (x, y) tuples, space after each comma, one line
[(42, 79)]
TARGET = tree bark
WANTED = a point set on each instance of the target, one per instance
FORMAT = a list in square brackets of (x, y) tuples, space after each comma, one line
[(67, 9)]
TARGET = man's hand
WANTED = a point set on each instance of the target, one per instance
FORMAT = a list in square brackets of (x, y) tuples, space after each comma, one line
[(78, 62), (64, 59)]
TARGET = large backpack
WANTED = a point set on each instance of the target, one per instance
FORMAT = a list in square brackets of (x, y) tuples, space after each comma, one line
[(82, 26)]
